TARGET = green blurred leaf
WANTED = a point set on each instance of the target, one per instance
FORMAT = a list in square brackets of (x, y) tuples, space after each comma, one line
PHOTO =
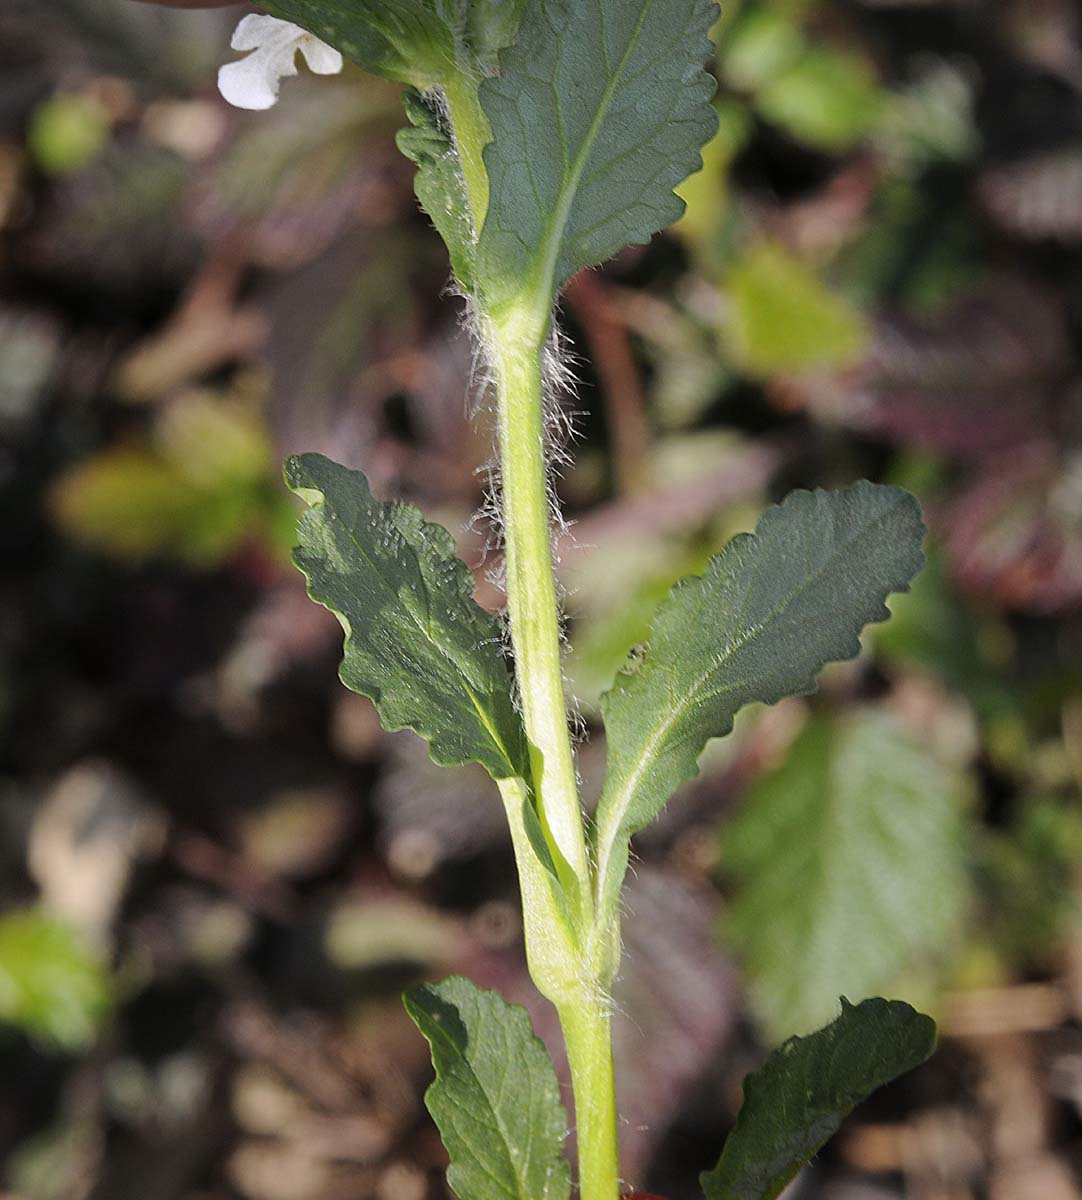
[(827, 99), (67, 133), (129, 504), (848, 866), (760, 624), (53, 986), (924, 256), (416, 642), (807, 1087), (600, 110), (369, 933), (1027, 881), (782, 319), (758, 46), (495, 1099), (931, 630), (195, 493), (932, 119), (706, 193)]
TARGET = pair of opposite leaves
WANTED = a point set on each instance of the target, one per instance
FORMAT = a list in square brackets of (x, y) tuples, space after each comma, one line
[(497, 1102), (770, 610), (599, 111)]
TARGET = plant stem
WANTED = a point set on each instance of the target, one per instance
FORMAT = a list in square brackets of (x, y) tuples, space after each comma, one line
[(515, 344), (515, 350), (588, 1035)]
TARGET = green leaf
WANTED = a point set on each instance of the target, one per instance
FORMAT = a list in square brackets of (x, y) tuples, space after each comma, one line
[(52, 985), (439, 183), (199, 490), (772, 608), (599, 111), (781, 318), (67, 132), (762, 43), (410, 41), (416, 642), (495, 1099), (849, 869), (798, 1099), (826, 99), (418, 42), (491, 25)]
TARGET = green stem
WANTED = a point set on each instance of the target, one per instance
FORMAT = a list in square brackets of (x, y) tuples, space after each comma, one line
[(588, 1035), (515, 350), (515, 345)]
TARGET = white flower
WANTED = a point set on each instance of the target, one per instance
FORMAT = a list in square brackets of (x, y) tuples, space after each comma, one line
[(253, 81)]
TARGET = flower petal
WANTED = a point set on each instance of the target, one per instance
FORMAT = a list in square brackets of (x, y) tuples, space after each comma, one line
[(253, 82), (257, 30), (321, 58)]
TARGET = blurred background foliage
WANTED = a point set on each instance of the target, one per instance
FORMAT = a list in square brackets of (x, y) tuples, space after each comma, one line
[(217, 871)]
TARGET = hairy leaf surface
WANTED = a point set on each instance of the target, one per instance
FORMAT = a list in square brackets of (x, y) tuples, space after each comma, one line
[(416, 642), (807, 1087), (771, 609), (599, 111), (495, 1099), (849, 868), (439, 183)]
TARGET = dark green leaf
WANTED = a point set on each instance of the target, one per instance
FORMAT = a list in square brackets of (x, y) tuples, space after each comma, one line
[(849, 867), (495, 1099), (416, 642), (769, 612), (439, 184), (599, 111), (411, 41), (804, 1091)]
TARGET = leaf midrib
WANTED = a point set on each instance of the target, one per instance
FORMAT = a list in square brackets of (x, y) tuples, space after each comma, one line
[(614, 825), (442, 650), (552, 242), (393, 594)]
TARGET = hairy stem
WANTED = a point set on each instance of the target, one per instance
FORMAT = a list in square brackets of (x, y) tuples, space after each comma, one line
[(531, 594), (531, 599), (515, 345)]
